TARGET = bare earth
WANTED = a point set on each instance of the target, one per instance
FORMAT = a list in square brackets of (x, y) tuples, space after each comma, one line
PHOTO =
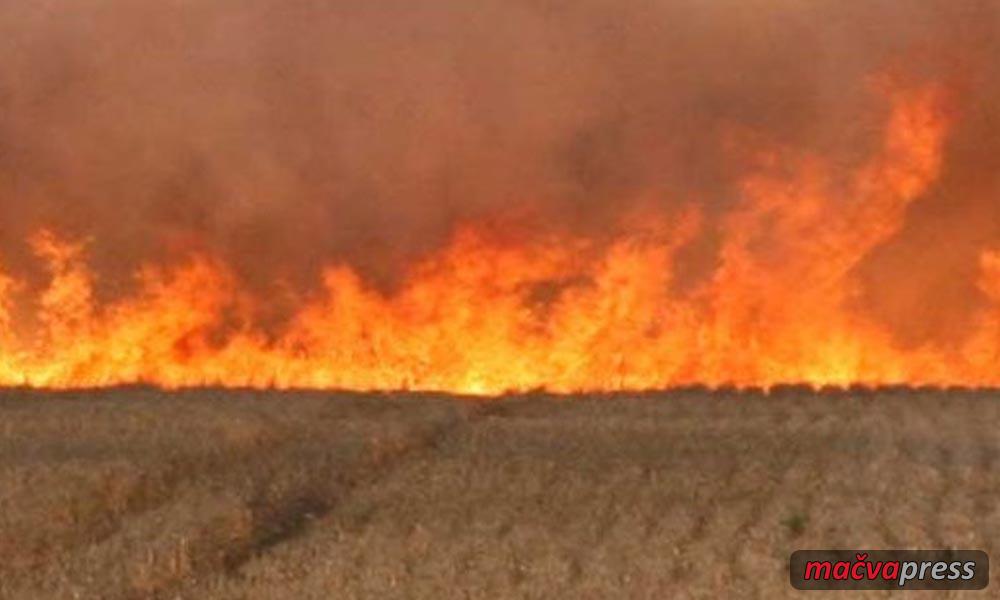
[(137, 493)]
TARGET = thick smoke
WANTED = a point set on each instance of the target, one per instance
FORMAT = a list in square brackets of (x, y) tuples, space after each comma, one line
[(282, 135)]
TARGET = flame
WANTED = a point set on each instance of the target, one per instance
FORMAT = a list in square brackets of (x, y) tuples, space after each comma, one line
[(485, 316)]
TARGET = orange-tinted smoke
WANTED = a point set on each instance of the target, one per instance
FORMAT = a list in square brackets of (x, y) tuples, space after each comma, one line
[(501, 194)]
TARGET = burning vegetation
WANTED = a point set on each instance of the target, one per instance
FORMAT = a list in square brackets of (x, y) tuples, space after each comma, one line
[(244, 202)]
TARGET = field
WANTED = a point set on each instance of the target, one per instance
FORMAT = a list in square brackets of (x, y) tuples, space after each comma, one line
[(137, 493)]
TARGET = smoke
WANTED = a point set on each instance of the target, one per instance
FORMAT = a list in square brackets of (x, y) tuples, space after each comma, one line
[(284, 135)]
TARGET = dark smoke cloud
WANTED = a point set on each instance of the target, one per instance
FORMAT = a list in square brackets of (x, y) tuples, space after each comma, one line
[(285, 134)]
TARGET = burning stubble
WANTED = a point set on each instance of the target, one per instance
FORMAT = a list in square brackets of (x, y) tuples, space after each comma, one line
[(498, 195)]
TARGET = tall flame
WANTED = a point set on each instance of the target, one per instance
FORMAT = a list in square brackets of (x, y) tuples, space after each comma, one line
[(485, 316)]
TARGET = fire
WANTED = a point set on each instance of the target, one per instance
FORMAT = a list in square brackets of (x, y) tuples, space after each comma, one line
[(485, 316)]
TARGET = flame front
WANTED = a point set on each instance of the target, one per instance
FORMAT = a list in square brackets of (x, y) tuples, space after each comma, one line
[(486, 316)]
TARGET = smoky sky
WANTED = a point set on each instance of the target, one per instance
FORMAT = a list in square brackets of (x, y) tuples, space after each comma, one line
[(285, 134)]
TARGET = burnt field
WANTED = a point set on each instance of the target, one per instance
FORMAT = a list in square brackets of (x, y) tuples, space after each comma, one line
[(138, 493)]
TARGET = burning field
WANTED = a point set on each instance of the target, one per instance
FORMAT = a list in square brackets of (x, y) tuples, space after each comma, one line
[(492, 298), (492, 311), (589, 197)]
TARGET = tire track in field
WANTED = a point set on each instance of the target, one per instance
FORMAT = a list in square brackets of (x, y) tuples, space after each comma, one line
[(292, 521)]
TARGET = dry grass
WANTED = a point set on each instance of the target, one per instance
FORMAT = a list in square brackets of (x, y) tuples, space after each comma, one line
[(128, 494), (241, 495)]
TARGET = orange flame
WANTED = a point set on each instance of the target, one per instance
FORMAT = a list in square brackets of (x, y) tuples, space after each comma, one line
[(485, 317)]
